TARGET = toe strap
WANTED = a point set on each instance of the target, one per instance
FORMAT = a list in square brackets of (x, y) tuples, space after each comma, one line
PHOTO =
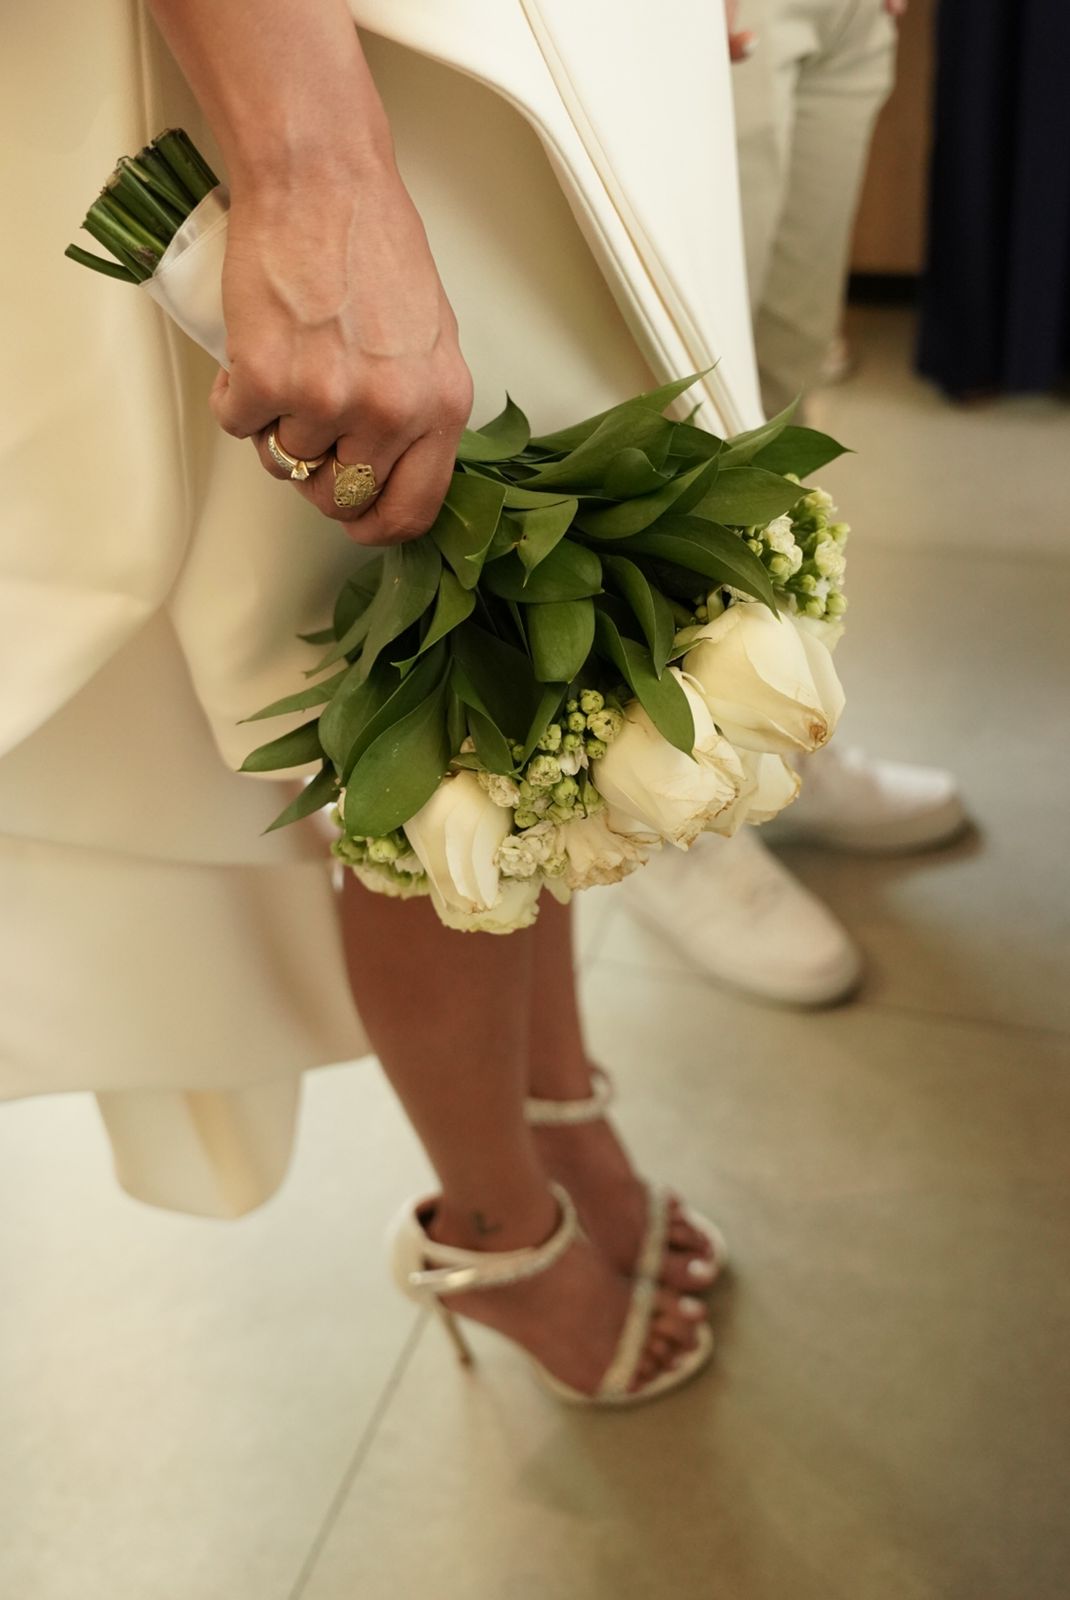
[(655, 1235), (621, 1371)]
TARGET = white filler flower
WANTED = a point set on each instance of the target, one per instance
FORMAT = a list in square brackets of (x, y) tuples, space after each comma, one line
[(769, 684), (457, 835), (596, 853), (644, 777)]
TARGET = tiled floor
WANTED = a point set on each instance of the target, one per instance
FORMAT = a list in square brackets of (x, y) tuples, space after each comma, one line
[(205, 1411)]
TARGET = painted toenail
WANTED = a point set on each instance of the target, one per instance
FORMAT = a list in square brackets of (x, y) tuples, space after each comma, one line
[(692, 1307), (702, 1271)]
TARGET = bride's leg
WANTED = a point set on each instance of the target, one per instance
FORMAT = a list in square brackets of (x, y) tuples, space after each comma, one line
[(448, 1014), (588, 1158)]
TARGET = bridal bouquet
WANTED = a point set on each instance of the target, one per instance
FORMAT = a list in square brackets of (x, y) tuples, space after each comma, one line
[(614, 636)]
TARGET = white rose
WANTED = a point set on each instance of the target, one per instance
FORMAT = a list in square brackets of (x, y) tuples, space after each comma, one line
[(516, 907), (597, 853), (456, 836), (653, 787), (769, 684), (772, 784), (828, 630)]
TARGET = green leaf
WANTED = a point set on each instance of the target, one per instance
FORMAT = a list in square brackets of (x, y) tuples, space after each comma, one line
[(506, 537), (542, 529), (692, 445), (566, 439), (747, 497), (409, 585), (317, 695), (650, 607), (549, 705), (632, 516), (745, 446), (630, 473), (456, 721), (800, 450), (453, 606), (357, 594), (584, 469), (288, 750), (506, 436), (708, 550), (501, 678), (466, 524), (313, 797), (355, 719), (321, 636), (400, 770), (661, 698), (492, 747), (569, 572), (518, 498), (561, 636)]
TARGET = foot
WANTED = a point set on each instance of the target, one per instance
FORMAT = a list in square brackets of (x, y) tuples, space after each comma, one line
[(851, 801), (613, 1203), (730, 908), (570, 1317)]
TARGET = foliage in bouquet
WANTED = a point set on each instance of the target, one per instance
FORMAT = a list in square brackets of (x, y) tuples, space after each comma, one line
[(580, 660)]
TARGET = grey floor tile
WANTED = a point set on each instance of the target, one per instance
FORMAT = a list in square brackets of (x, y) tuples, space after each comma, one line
[(965, 477), (888, 1414), (180, 1398)]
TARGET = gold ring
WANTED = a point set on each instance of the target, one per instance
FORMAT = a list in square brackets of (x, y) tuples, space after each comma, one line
[(299, 470), (353, 486)]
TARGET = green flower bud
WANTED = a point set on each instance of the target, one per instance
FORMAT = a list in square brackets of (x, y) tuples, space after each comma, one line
[(543, 772), (754, 545), (577, 722), (605, 725), (573, 741), (383, 851), (779, 567), (516, 751), (838, 531), (551, 739), (561, 813), (566, 792), (555, 867), (596, 749), (814, 608), (572, 705), (702, 613), (591, 701), (836, 604), (806, 583), (523, 818), (526, 790)]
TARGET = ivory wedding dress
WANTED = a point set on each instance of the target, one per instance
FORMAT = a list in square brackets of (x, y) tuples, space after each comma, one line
[(574, 163)]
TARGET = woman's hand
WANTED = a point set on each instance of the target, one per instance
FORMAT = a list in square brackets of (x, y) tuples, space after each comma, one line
[(341, 339)]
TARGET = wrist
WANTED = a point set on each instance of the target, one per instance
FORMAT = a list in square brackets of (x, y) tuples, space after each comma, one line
[(276, 165)]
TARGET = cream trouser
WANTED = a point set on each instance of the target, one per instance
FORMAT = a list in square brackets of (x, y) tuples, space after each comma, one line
[(806, 102)]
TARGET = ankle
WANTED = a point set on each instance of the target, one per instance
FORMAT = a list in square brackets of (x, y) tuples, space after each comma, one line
[(515, 1223), (562, 1077)]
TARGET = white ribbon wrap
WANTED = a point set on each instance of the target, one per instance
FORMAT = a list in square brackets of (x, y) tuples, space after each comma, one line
[(188, 283)]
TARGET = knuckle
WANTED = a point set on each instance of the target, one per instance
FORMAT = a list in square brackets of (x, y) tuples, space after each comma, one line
[(393, 409)]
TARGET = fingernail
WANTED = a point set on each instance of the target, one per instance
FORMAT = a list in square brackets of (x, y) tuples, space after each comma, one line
[(748, 44), (692, 1307), (702, 1271)]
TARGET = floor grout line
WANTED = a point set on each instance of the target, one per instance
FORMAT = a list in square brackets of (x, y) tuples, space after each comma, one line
[(360, 1455)]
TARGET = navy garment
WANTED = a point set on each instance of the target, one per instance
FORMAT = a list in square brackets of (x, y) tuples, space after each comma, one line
[(996, 293)]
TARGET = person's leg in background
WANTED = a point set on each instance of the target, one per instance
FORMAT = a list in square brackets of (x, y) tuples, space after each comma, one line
[(806, 96)]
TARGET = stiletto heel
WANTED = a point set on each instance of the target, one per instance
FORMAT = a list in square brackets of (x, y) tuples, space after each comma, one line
[(453, 1328), (427, 1271), (573, 1113)]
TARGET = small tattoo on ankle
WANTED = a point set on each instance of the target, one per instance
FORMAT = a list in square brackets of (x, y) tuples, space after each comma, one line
[(483, 1226)]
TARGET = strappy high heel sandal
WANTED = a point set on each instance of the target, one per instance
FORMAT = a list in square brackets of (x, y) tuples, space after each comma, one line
[(572, 1113), (429, 1273)]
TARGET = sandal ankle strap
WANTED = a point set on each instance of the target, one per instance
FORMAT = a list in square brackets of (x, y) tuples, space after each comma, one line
[(452, 1270), (559, 1113)]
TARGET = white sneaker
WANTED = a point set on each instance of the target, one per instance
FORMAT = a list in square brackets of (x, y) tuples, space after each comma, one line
[(730, 908), (850, 801)]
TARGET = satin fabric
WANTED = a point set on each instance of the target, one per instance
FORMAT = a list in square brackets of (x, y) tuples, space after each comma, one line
[(153, 577)]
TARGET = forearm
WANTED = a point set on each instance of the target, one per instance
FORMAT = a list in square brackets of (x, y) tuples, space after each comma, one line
[(285, 88)]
